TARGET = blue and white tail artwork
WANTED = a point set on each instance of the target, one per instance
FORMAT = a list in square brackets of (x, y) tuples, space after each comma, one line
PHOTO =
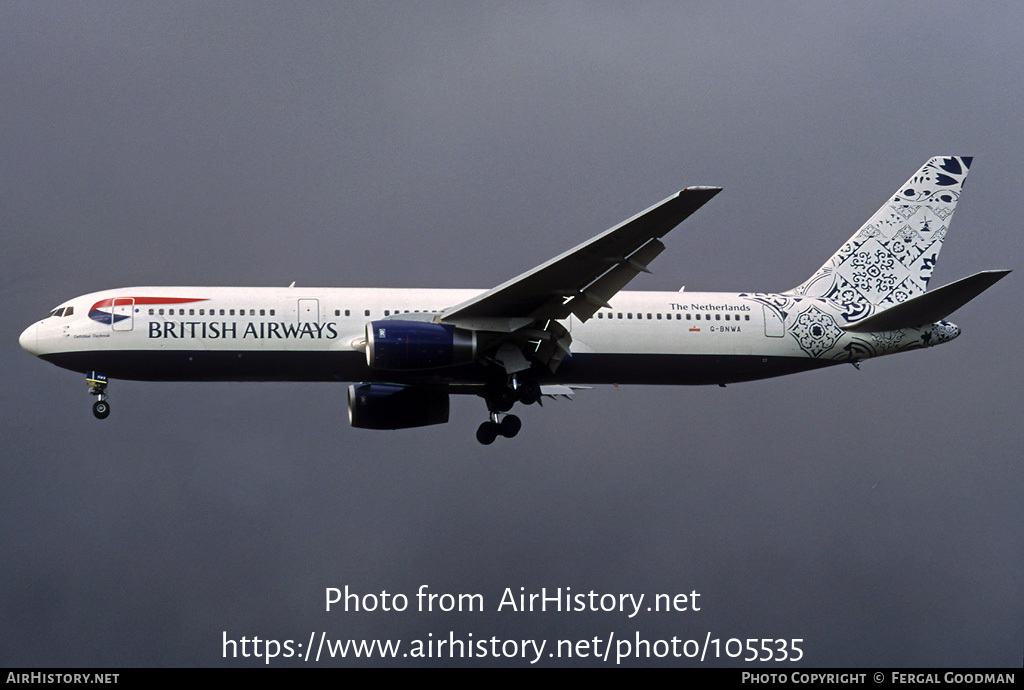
[(891, 257), (870, 298)]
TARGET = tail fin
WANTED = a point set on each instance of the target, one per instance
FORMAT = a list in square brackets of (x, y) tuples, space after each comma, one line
[(891, 258)]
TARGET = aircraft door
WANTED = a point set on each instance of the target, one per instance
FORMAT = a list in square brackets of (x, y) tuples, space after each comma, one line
[(123, 318), (309, 311), (774, 327)]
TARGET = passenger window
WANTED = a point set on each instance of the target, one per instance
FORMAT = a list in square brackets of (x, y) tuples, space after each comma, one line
[(366, 312), (346, 312), (718, 317), (263, 312), (659, 317)]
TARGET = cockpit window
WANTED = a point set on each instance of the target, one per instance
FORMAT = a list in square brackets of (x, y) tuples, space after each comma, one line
[(68, 311), (62, 311)]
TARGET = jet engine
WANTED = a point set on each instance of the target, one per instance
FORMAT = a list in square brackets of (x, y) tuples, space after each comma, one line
[(403, 345), (393, 406)]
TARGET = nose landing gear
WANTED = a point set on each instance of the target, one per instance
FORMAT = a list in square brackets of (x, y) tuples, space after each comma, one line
[(98, 387)]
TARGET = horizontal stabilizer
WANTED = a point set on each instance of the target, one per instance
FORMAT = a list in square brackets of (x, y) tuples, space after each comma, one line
[(929, 307)]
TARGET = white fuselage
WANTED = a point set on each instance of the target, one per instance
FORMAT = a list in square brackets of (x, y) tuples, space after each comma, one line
[(230, 333)]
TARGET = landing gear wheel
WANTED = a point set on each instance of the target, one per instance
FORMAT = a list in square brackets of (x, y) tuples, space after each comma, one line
[(98, 387), (528, 392), (501, 399), (486, 433), (510, 426), (101, 409)]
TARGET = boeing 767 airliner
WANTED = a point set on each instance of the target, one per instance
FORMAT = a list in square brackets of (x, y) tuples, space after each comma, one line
[(545, 332)]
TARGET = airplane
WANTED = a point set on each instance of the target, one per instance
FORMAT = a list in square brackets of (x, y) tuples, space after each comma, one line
[(559, 327)]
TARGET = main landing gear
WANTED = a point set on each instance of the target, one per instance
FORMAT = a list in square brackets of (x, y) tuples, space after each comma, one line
[(500, 399), (98, 387), (508, 427)]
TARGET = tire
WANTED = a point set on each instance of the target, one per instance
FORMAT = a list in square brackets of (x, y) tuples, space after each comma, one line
[(101, 409), (529, 392), (486, 433), (501, 399), (510, 426)]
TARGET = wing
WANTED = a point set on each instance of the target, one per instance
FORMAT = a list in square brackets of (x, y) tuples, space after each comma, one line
[(583, 279)]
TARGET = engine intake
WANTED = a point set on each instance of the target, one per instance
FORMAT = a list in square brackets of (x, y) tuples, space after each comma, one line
[(402, 345), (393, 406)]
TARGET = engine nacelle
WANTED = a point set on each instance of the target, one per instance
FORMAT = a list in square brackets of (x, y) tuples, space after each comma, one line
[(392, 406), (404, 345)]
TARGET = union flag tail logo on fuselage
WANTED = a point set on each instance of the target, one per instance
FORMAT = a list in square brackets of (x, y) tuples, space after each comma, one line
[(97, 313)]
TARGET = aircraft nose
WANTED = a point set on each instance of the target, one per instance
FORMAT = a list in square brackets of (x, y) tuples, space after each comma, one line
[(29, 339)]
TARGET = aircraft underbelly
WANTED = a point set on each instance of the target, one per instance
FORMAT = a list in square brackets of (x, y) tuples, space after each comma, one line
[(593, 368)]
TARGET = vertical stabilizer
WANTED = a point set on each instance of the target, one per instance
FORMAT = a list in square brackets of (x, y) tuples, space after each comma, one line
[(891, 258)]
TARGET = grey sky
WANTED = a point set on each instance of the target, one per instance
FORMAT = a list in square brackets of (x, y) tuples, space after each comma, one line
[(875, 514)]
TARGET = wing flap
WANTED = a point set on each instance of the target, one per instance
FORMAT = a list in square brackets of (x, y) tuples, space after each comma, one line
[(603, 288), (561, 391)]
